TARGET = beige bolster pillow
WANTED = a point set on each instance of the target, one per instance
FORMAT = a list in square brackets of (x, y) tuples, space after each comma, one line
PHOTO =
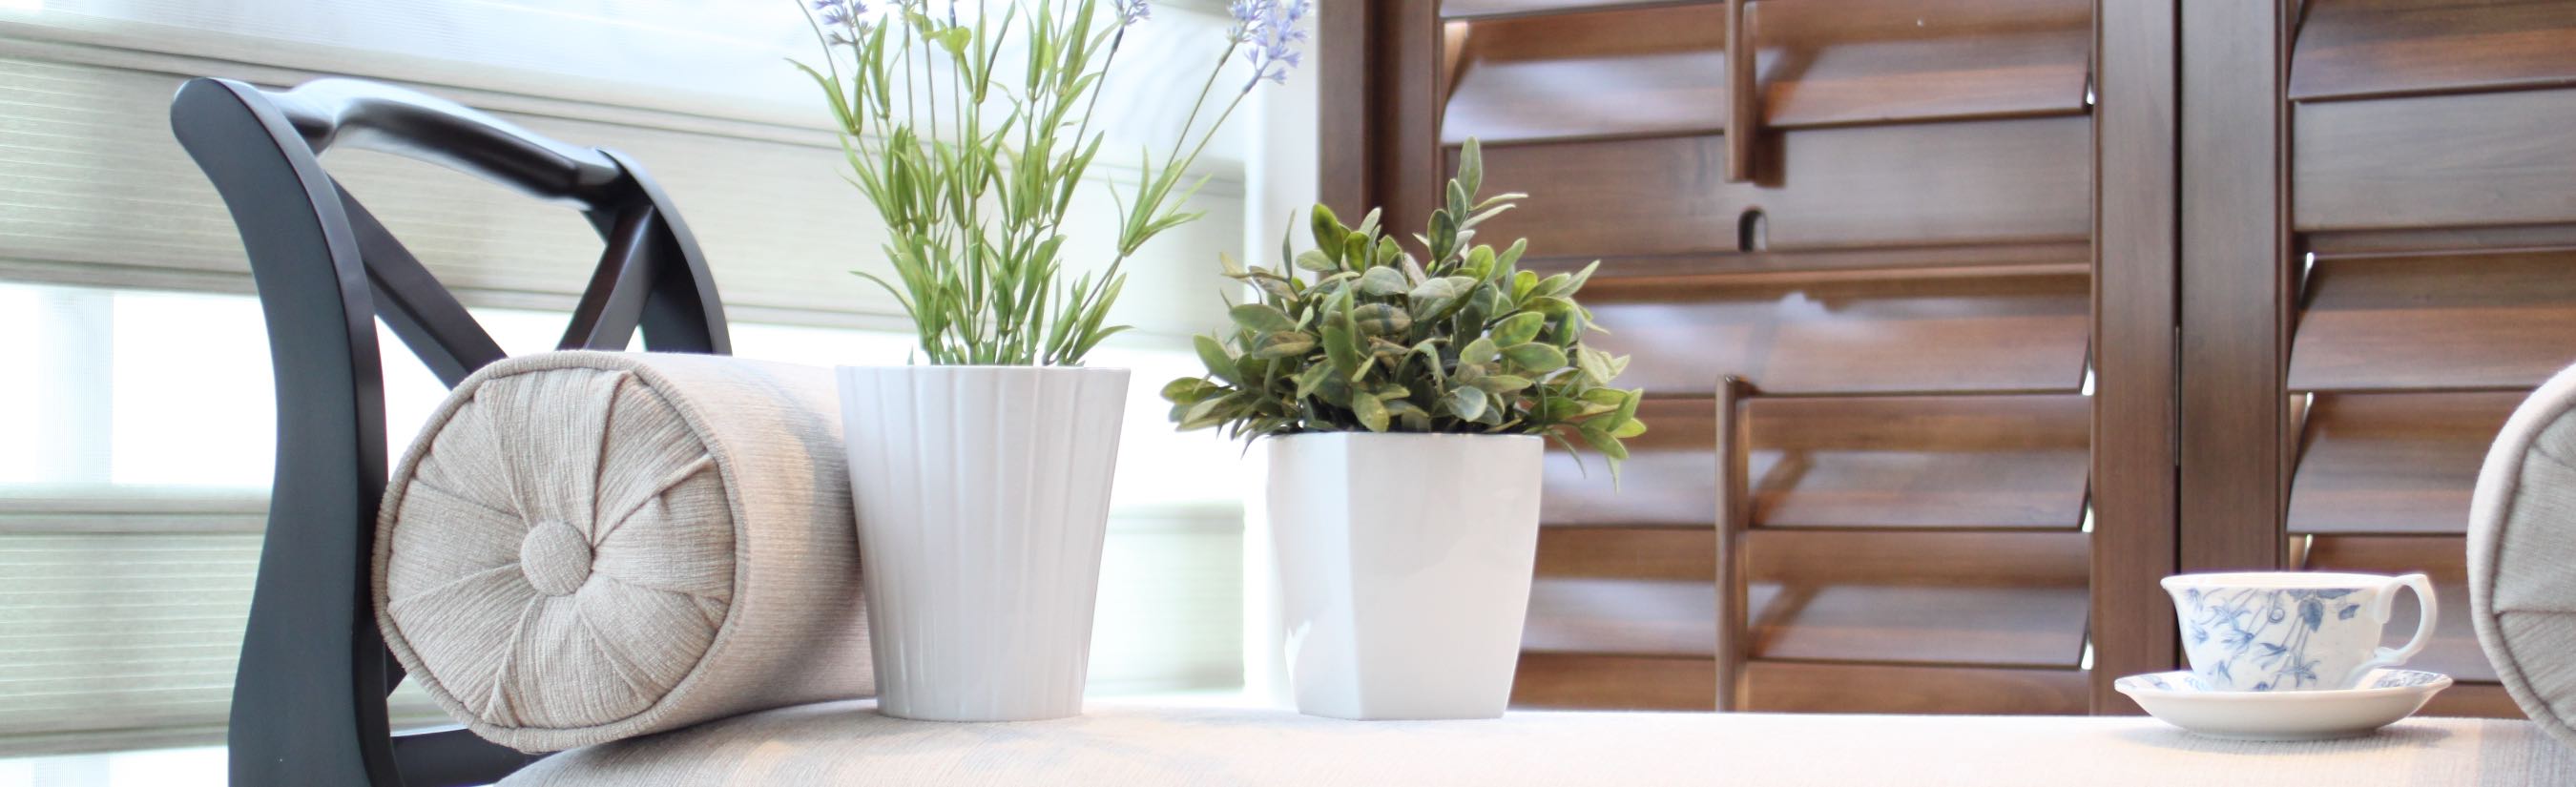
[(585, 546), (2522, 556)]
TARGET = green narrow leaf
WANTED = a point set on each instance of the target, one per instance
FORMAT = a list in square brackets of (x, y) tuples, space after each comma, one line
[(1593, 364), (1284, 344), (1262, 318), (1601, 441), (1579, 278), (1188, 390), (1327, 229), (1628, 409), (1341, 348), (1505, 383), (1471, 166), (1312, 378), (1219, 363)]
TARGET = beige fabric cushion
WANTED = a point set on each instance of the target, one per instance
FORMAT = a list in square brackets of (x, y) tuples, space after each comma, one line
[(582, 547), (2522, 556), (1117, 745)]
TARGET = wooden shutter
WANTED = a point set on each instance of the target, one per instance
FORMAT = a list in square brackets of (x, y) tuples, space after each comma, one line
[(2425, 266), (1889, 250)]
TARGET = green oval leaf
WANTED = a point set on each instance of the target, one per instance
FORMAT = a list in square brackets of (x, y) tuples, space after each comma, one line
[(1466, 402), (1535, 357), (1383, 282), (1519, 328), (1477, 353), (1371, 412)]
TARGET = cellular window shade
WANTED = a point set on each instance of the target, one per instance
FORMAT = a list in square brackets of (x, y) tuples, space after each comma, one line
[(97, 183), (130, 520)]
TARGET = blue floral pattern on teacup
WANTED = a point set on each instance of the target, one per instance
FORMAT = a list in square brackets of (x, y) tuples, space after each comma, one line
[(2403, 678), (2265, 631)]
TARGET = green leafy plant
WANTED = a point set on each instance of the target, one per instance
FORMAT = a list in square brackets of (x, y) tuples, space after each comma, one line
[(972, 159), (1357, 333)]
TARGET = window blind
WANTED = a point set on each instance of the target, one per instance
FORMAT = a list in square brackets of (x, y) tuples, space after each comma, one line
[(133, 471)]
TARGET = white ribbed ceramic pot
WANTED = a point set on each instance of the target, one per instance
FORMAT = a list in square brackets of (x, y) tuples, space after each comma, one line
[(982, 494), (1404, 569)]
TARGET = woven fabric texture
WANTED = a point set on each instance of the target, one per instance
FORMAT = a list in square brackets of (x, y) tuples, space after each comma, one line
[(847, 743), (582, 547), (2522, 556)]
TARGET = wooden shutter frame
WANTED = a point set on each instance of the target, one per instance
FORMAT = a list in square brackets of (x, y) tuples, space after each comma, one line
[(1380, 141)]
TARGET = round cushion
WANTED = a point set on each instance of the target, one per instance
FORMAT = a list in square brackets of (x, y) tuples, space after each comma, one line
[(584, 546), (2522, 556)]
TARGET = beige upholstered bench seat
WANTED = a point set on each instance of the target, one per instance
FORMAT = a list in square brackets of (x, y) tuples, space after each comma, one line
[(1125, 745)]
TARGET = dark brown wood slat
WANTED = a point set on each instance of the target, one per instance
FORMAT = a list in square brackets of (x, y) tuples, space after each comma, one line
[(1835, 264), (2366, 48), (2002, 332), (2454, 650), (1878, 61), (1920, 461), (1455, 10), (1636, 591), (2393, 463), (2473, 700), (1988, 182), (1607, 73), (1566, 681), (2452, 321), (1670, 477), (2438, 240), (2015, 599), (2478, 159), (1871, 688)]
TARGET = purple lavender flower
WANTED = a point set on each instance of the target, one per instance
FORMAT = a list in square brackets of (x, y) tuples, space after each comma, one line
[(845, 19), (1269, 29), (1133, 11)]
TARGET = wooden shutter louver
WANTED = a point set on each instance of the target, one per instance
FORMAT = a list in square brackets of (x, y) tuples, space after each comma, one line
[(2435, 253), (1903, 281)]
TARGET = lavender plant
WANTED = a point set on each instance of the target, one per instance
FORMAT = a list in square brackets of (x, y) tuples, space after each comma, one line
[(1371, 337), (972, 161)]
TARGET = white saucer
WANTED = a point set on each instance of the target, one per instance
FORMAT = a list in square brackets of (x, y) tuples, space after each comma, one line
[(2183, 701)]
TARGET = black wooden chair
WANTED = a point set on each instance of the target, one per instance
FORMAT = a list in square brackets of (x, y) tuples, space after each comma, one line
[(309, 700)]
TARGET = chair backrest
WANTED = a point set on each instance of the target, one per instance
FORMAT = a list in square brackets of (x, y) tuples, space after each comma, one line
[(309, 699)]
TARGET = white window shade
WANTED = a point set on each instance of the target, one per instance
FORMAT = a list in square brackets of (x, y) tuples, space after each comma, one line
[(135, 440), (92, 179), (128, 572), (704, 58)]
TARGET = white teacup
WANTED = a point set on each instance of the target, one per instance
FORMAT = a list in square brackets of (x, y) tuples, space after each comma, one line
[(2292, 630)]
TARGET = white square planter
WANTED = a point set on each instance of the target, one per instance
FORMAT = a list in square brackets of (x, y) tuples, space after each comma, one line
[(1404, 569)]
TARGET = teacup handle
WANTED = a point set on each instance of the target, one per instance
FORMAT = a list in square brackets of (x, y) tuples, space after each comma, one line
[(2386, 607)]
